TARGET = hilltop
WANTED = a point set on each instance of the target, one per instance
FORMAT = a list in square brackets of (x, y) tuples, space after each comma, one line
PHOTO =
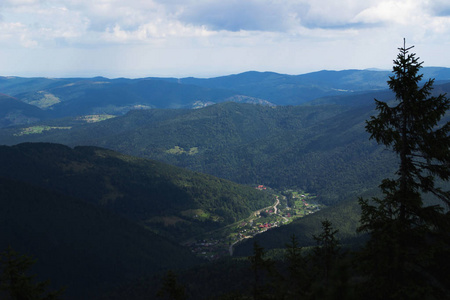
[(63, 97), (168, 200)]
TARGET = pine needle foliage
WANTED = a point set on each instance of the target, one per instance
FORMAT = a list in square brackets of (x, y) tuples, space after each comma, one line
[(405, 235), (16, 284)]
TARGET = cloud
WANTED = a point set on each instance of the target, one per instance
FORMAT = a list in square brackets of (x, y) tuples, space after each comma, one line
[(236, 15), (31, 20), (333, 14), (154, 33), (226, 34), (17, 31), (390, 11), (86, 22), (20, 2), (109, 13), (440, 8), (269, 15)]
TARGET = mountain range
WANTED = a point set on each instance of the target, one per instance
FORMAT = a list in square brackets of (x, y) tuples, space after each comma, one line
[(113, 174), (62, 97)]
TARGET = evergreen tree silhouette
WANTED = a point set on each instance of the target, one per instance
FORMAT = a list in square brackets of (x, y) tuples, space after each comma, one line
[(405, 234), (16, 283)]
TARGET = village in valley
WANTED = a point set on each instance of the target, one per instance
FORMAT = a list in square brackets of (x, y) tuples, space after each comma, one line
[(288, 206)]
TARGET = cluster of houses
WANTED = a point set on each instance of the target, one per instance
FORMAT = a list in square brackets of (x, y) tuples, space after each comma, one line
[(267, 225), (212, 249)]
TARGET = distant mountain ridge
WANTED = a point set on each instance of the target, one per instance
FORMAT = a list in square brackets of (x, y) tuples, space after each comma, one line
[(62, 97), (282, 89), (15, 112)]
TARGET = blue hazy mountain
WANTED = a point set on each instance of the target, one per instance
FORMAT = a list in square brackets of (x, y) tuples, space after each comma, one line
[(99, 95)]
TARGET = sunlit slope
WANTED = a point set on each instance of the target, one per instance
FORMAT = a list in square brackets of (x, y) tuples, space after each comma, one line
[(322, 149)]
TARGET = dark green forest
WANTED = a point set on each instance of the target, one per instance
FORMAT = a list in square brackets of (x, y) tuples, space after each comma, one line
[(142, 190), (79, 246), (321, 149)]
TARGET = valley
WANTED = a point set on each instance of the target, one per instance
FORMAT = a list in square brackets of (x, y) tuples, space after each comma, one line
[(289, 205), (117, 181)]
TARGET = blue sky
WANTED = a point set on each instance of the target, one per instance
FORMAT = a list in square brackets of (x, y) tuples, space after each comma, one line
[(206, 38)]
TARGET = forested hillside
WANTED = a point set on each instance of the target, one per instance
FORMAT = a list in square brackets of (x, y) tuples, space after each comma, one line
[(82, 247), (63, 97), (173, 202), (80, 96), (344, 216), (283, 89), (76, 97), (15, 112), (323, 149)]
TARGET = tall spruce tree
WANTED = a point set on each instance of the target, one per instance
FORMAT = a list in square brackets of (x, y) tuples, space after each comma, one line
[(298, 282), (327, 250), (406, 236), (170, 288), (260, 267)]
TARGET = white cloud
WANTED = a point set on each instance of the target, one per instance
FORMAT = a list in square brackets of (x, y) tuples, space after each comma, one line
[(248, 34), (154, 32), (87, 21), (237, 15), (18, 33), (20, 2), (329, 14), (44, 25), (439, 7), (391, 11)]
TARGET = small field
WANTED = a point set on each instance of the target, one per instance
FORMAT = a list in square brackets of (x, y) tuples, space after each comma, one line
[(95, 118), (39, 129)]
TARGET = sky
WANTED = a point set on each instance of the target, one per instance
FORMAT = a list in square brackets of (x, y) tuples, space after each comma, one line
[(208, 38)]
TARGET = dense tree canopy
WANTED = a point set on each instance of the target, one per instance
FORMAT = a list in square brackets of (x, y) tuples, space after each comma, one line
[(15, 281), (403, 231)]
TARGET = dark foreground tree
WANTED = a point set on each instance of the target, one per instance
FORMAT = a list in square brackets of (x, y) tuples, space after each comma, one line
[(170, 288), (406, 236), (16, 284), (328, 269), (326, 253), (298, 282), (261, 268)]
